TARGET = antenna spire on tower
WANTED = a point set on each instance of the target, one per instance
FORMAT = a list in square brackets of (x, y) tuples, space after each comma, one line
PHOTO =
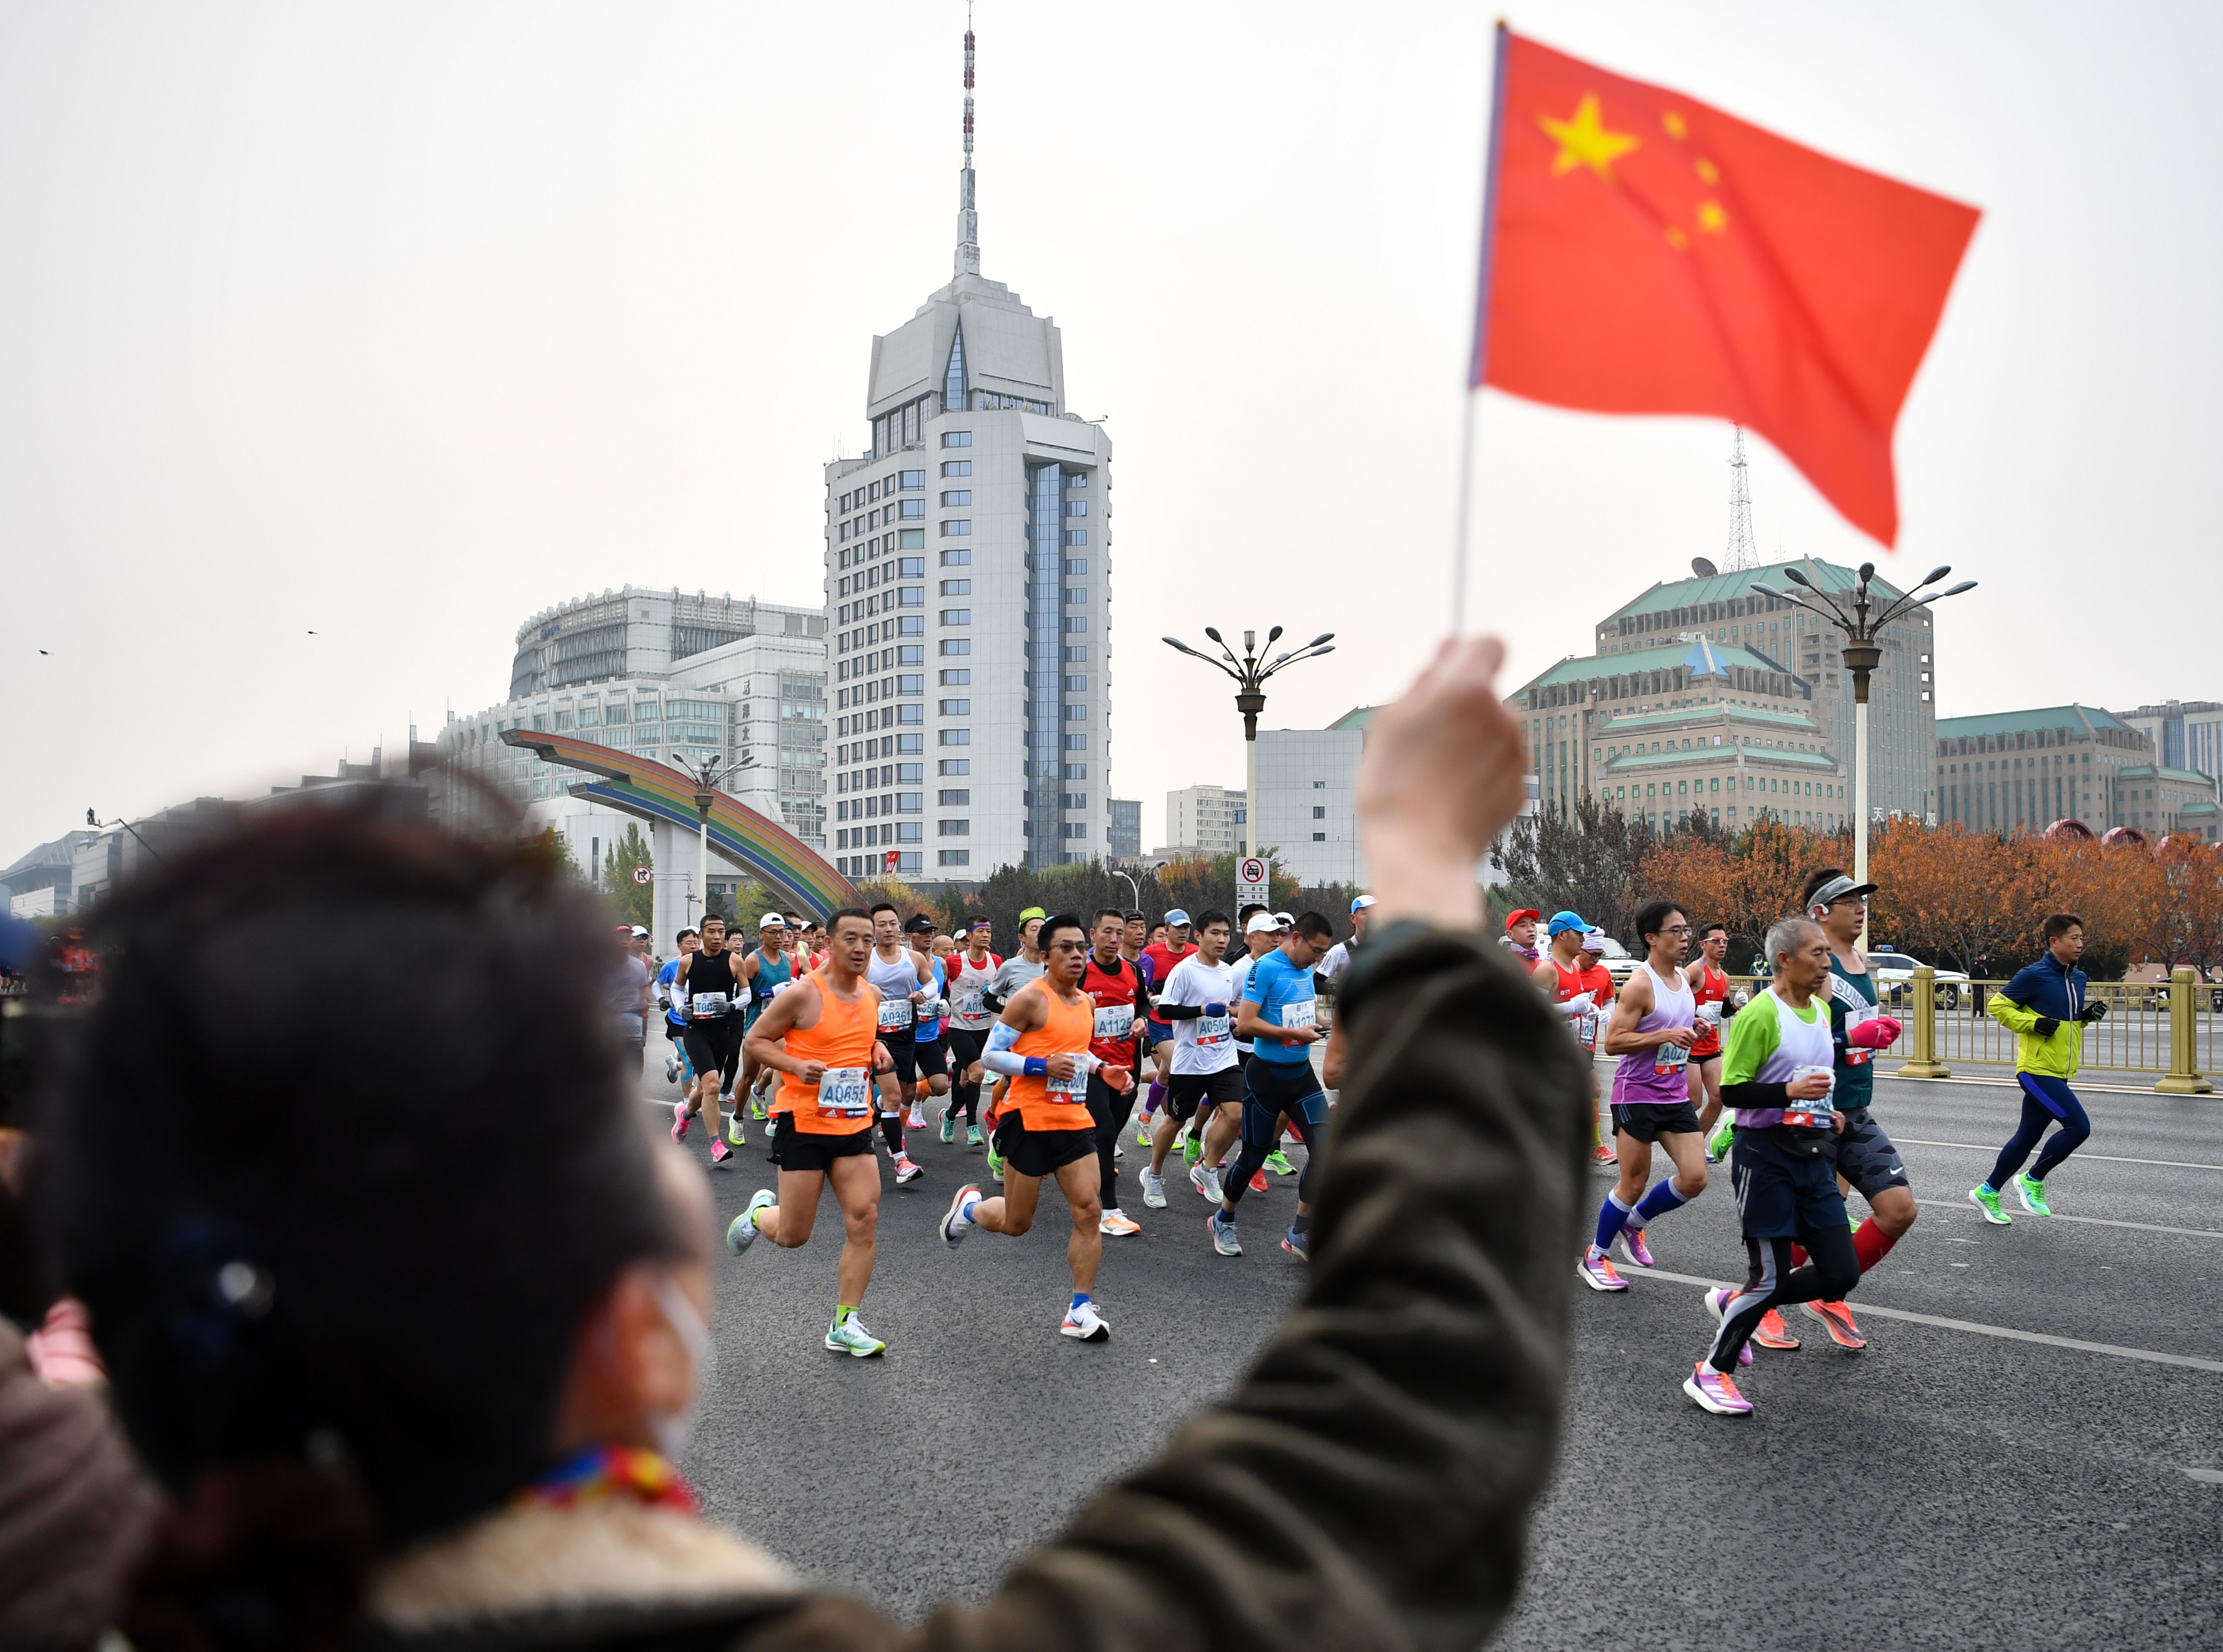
[(1743, 553), (968, 219)]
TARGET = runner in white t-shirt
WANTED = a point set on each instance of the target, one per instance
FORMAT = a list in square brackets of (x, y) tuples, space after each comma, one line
[(1198, 1001)]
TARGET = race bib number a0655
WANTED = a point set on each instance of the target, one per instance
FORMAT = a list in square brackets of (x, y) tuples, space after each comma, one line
[(846, 1091)]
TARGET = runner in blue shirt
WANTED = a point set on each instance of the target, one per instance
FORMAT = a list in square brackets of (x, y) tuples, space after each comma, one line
[(1278, 1014), (678, 1069)]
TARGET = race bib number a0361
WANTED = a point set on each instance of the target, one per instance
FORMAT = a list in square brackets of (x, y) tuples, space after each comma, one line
[(846, 1091), (895, 1014)]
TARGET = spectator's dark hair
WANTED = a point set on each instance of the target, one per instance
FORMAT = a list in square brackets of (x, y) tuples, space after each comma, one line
[(1827, 875), (835, 922), (336, 1300), (1104, 912), (874, 916), (1248, 910), (2059, 925), (1207, 917), (1653, 919), (1055, 921), (1314, 927)]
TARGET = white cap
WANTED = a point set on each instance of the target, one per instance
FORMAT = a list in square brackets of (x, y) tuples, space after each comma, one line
[(1260, 923), (1283, 921)]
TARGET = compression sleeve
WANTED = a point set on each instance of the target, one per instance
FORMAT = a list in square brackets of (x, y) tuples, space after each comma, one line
[(1000, 1055), (1166, 1011)]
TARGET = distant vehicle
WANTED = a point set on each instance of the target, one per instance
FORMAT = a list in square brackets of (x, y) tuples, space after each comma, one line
[(1620, 962), (2153, 978), (1894, 979)]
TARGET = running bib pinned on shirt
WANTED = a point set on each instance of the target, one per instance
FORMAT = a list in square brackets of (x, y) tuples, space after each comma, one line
[(1115, 1020), (1669, 1058), (931, 1009), (895, 1014), (1298, 1016), (1853, 1018), (1710, 1014), (972, 1006), (846, 1091), (1214, 1029), (1586, 1026), (1077, 1085), (1814, 1115), (705, 1005)]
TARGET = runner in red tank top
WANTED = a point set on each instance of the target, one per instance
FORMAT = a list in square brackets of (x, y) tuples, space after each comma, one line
[(1710, 987), (1561, 972)]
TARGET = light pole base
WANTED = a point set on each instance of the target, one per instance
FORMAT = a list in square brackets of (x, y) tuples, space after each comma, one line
[(1923, 1069)]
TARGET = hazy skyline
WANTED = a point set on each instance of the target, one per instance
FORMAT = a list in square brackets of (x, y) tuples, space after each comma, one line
[(399, 324)]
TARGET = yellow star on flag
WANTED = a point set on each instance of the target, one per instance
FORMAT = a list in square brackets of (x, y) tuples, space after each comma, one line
[(1584, 141)]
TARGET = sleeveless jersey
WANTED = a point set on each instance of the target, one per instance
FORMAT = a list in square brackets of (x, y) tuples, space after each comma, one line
[(841, 1103), (1113, 992), (1570, 984), (1157, 963), (895, 982), (1852, 999), (1712, 989), (772, 974), (968, 989), (936, 1005), (712, 989), (1053, 1103), (1655, 1077), (1793, 1049)]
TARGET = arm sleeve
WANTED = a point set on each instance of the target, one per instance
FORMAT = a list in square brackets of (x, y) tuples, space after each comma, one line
[(1171, 1012), (1752, 1038), (999, 1056), (1368, 1486)]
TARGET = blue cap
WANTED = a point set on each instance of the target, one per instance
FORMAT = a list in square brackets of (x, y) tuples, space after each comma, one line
[(1175, 917), (1562, 922), (1361, 903)]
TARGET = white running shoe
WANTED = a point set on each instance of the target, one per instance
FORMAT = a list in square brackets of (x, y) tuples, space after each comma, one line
[(1154, 1188), (1084, 1324), (1205, 1181), (957, 1221), (742, 1232), (917, 1120), (906, 1170), (1223, 1238)]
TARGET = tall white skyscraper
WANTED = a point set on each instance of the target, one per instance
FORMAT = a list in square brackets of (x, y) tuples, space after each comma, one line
[(968, 594)]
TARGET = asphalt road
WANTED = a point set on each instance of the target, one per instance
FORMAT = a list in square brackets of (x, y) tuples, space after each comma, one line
[(1944, 1484)]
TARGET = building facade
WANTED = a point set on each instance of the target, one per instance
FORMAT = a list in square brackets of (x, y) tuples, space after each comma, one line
[(967, 572), (2186, 733), (1307, 799), (1126, 828), (659, 673), (2021, 771), (1205, 820)]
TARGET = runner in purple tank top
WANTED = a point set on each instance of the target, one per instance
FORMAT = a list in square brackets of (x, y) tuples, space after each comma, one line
[(1652, 1030)]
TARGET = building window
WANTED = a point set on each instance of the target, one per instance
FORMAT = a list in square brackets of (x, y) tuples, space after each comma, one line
[(913, 479), (951, 467), (1076, 622), (1076, 594), (911, 568), (955, 439), (911, 684), (953, 828), (954, 766), (956, 678), (1074, 828), (1076, 536), (956, 646), (911, 714), (914, 539), (958, 496), (1076, 742), (1076, 508), (910, 745), (911, 625), (957, 616), (957, 530), (953, 798), (1320, 811), (957, 736), (952, 374), (956, 857), (913, 510), (1076, 714), (1319, 837), (960, 557), (911, 596), (957, 587), (957, 707)]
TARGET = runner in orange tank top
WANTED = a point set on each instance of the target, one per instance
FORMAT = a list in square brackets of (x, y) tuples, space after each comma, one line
[(1044, 1127), (1563, 974), (821, 1038), (1710, 987)]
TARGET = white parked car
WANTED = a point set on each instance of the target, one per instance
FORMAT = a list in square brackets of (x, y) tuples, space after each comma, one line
[(1894, 979), (1620, 962)]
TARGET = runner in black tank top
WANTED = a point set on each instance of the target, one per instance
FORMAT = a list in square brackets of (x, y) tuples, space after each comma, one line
[(713, 995)]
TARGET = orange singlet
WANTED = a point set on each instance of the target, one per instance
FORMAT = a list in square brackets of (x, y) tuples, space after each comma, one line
[(1571, 982), (1712, 987), (840, 1105), (1067, 1032)]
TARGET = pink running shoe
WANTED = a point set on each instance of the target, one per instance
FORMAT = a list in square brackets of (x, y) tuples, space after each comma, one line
[(718, 1152), (1599, 1274), (1633, 1247), (678, 1120), (1715, 1391)]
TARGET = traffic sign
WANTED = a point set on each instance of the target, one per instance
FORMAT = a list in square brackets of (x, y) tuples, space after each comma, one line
[(1250, 881), (642, 874)]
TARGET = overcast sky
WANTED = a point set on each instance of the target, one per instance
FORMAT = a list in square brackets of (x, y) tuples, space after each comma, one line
[(396, 323)]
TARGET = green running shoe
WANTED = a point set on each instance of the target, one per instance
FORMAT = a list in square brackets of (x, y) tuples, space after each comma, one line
[(1192, 1149), (1145, 1125), (995, 1165), (2033, 1195), (949, 1124), (1278, 1162), (972, 1135), (1986, 1198), (1719, 1143), (849, 1336), (734, 1129)]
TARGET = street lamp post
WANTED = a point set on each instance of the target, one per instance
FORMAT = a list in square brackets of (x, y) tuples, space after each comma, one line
[(1249, 674), (1862, 654), (705, 776)]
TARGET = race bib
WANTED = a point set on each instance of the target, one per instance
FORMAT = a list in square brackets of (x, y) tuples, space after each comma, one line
[(1299, 1014), (972, 1006), (895, 1014), (1669, 1058), (1586, 1027), (846, 1091), (706, 1004), (1076, 1086), (931, 1009), (1115, 1020), (1814, 1115), (1214, 1029)]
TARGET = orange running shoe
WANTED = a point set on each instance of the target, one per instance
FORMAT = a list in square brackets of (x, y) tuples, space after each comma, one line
[(1839, 1320), (1774, 1332)]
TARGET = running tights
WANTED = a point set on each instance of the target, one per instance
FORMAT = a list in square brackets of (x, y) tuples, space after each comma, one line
[(1109, 1109), (964, 1098), (1268, 1099), (1773, 1282), (2045, 1101)]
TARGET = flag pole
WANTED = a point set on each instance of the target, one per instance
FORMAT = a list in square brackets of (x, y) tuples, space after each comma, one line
[(1478, 358)]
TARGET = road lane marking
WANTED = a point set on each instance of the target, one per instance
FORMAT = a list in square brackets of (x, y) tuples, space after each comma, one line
[(2093, 1221), (2150, 1355), (2110, 1158)]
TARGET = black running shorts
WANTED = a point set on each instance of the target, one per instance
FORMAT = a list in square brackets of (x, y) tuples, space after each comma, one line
[(931, 1058), (715, 1046), (1865, 1155), (1039, 1152), (1648, 1121), (965, 1045), (903, 1052), (1190, 1092), (1782, 1194), (810, 1149)]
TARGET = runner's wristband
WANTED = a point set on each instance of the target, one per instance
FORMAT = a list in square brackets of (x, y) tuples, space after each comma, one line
[(1037, 1067)]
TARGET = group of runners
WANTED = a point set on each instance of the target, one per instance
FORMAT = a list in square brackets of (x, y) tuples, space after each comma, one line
[(1042, 1058)]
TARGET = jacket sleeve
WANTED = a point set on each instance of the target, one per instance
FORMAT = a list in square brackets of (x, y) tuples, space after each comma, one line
[(1368, 1486), (2010, 1006)]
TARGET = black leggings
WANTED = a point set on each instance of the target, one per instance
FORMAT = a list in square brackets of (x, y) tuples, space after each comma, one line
[(964, 1095), (1109, 1109), (1273, 1091), (1831, 1273)]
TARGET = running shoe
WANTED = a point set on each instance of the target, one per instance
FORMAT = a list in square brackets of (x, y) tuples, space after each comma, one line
[(1773, 1332), (995, 1165), (1193, 1146), (949, 1124), (1604, 1154), (1719, 1143), (1986, 1198), (1118, 1224), (1257, 1182), (906, 1171), (1598, 1273), (1716, 1300), (957, 1220), (1145, 1126), (743, 1231), (757, 1105), (1154, 1190), (1084, 1324), (733, 1129), (1714, 1393), (1298, 1245), (1278, 1162), (2033, 1195), (850, 1337), (671, 1069), (918, 1119), (1222, 1234), (1633, 1247), (678, 1121), (718, 1152), (1839, 1320), (972, 1135), (1205, 1181)]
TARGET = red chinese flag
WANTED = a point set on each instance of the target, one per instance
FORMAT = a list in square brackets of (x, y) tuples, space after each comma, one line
[(1645, 253)]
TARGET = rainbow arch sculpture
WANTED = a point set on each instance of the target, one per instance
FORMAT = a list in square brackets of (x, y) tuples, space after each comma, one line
[(802, 878)]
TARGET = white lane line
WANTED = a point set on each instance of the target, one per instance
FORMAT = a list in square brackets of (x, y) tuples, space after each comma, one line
[(2093, 1221), (2110, 1158), (1943, 1324)]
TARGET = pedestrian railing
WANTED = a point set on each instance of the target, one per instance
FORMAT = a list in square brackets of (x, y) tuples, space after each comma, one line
[(2167, 1028)]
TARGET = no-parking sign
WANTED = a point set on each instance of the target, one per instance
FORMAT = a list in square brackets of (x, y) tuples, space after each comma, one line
[(1250, 881)]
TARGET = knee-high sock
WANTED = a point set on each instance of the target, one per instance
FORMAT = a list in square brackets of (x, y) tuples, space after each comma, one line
[(1658, 1202), (1612, 1216), (1871, 1244), (892, 1129)]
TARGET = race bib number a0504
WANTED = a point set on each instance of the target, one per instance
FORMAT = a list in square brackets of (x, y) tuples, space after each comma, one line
[(1214, 1029), (846, 1091)]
